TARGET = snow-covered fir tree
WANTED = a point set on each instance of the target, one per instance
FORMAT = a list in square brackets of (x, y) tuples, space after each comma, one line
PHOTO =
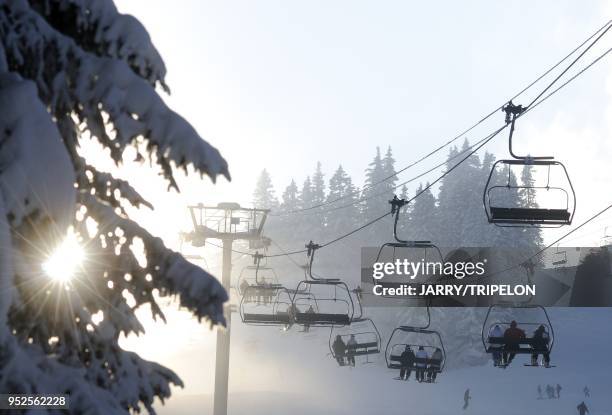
[(344, 212), (290, 197), (69, 70), (374, 205), (264, 196)]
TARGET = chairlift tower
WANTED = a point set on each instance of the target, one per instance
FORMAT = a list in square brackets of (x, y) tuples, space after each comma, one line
[(227, 222)]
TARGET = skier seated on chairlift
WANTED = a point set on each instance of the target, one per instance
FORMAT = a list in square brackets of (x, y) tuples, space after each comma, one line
[(496, 331), (309, 311), (434, 367), (541, 339), (339, 349), (291, 313), (244, 288), (421, 366), (351, 346), (512, 335), (262, 292), (406, 362)]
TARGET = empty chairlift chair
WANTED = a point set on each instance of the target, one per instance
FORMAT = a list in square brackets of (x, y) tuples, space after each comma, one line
[(547, 199), (420, 250), (322, 302), (559, 257)]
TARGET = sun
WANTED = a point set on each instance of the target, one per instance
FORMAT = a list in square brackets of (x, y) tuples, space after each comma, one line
[(63, 263)]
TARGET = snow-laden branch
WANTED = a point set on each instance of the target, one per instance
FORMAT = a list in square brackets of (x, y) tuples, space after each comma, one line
[(36, 174), (196, 289), (98, 27), (71, 80), (111, 189), (113, 382)]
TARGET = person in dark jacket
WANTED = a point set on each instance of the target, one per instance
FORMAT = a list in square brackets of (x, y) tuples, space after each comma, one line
[(421, 363), (512, 336), (582, 409), (541, 339), (406, 362), (466, 399), (339, 349), (434, 367)]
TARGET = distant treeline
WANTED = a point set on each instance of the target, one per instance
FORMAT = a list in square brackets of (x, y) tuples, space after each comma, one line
[(451, 215)]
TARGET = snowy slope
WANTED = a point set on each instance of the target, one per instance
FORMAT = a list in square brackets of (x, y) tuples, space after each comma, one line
[(290, 371)]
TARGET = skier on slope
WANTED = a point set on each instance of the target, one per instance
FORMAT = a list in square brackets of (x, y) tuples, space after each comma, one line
[(558, 391), (466, 399), (539, 392), (582, 409), (587, 392)]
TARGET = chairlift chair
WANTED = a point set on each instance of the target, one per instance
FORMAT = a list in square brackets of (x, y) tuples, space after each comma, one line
[(322, 311), (559, 257), (367, 336), (264, 303), (278, 311), (257, 277), (499, 198), (528, 345), (395, 347), (423, 245)]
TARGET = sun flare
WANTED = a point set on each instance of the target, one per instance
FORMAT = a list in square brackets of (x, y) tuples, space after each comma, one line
[(63, 263)]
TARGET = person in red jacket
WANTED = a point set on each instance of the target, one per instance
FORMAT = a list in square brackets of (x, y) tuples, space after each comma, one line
[(512, 335)]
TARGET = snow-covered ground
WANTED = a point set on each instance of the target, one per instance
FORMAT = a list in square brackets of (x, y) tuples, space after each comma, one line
[(274, 372)]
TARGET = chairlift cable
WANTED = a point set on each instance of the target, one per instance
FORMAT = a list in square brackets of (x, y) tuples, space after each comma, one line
[(486, 140), (572, 63), (552, 244), (606, 26)]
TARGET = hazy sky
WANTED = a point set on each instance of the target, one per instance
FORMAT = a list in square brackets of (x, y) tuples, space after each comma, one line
[(284, 84), (281, 85)]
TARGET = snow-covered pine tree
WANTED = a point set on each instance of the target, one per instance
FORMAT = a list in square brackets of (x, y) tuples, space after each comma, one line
[(281, 227), (71, 69), (424, 218), (532, 236), (373, 206), (318, 186), (388, 165), (449, 201), (306, 197), (404, 192), (264, 196), (290, 198), (474, 226), (341, 221), (316, 217)]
